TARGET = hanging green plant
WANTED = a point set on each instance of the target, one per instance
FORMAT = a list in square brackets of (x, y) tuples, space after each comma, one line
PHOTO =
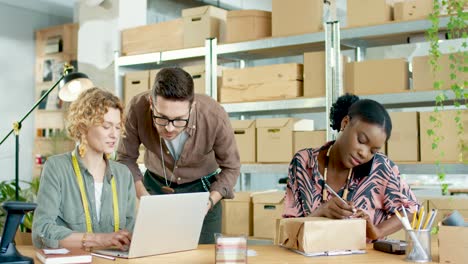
[(456, 29)]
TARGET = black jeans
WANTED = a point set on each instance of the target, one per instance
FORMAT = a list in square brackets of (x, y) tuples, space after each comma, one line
[(212, 222)]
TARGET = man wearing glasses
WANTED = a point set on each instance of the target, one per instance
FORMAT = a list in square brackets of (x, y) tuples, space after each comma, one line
[(189, 141)]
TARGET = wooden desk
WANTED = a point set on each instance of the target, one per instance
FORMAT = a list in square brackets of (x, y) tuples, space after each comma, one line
[(265, 254)]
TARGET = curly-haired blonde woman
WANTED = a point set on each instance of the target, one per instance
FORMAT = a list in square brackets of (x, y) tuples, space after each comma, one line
[(84, 199)]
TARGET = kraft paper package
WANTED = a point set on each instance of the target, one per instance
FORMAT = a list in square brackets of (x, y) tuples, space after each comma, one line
[(319, 234)]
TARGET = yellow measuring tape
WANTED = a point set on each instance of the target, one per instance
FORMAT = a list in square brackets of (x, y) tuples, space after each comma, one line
[(84, 198)]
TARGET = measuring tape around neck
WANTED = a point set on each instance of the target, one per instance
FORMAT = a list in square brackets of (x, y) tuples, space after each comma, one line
[(84, 198)]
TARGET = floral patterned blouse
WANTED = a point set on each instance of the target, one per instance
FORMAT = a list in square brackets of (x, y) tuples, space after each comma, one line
[(375, 187)]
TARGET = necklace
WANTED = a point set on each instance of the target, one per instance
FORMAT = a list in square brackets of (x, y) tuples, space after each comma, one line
[(324, 190), (167, 188)]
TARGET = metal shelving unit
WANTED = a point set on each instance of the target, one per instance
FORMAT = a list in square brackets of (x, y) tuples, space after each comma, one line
[(395, 100), (351, 38), (287, 105)]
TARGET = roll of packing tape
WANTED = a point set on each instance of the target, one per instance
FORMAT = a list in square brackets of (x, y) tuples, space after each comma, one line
[(454, 219)]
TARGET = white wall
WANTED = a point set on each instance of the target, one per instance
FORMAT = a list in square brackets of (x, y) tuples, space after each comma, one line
[(17, 64), (102, 24)]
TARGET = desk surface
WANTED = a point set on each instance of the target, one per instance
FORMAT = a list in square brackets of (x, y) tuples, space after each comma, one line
[(265, 254)]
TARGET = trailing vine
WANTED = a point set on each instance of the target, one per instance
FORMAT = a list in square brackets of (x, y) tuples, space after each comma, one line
[(456, 29)]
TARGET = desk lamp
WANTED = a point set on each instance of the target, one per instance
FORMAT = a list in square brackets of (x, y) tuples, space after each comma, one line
[(71, 85)]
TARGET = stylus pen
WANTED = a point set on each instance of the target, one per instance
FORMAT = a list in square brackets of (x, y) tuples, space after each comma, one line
[(339, 197), (102, 256)]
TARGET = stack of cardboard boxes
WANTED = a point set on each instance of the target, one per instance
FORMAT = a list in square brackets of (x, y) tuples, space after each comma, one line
[(194, 27), (253, 214), (286, 80), (410, 141), (286, 19), (274, 140)]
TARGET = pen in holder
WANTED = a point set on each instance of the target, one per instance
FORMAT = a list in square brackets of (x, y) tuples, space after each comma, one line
[(415, 249), (419, 245)]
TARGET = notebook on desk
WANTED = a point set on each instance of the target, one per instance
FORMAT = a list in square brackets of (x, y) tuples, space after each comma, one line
[(165, 224)]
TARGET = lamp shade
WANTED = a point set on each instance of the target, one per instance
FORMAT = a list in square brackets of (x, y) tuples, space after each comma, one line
[(72, 85)]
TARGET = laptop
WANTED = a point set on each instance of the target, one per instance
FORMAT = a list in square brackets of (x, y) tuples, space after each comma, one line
[(165, 224)]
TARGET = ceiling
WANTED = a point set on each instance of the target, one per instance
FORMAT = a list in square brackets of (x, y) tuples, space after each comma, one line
[(62, 8)]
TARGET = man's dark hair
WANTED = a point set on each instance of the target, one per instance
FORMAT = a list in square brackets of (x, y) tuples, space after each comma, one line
[(174, 84), (367, 110)]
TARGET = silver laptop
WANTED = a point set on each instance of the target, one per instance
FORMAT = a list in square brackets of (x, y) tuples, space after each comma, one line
[(165, 224)]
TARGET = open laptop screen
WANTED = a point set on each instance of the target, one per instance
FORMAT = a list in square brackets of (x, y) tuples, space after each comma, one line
[(165, 224)]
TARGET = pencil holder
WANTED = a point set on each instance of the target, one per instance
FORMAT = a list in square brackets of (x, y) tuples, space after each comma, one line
[(419, 245)]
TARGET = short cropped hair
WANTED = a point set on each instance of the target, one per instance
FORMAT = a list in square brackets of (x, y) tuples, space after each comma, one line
[(174, 84)]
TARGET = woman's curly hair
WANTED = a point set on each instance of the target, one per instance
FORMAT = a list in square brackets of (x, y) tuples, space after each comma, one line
[(89, 110), (340, 109)]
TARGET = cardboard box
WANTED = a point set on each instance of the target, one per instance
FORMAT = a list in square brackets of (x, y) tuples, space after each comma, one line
[(314, 73), (199, 77), (446, 204), (319, 234), (410, 10), (376, 77), (296, 17), (453, 244), (201, 23), (309, 139), (275, 134), (267, 207), (135, 83), (243, 25), (368, 12), (448, 130), (153, 38), (278, 81), (272, 135), (424, 78), (403, 144), (245, 134), (237, 215)]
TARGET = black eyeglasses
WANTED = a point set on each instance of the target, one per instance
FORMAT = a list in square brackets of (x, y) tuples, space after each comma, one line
[(177, 122)]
